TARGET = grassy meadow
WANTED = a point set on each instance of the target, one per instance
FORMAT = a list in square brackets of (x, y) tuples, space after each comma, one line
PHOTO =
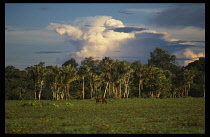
[(119, 116)]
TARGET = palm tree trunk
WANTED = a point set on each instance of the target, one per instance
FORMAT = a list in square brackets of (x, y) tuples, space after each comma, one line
[(116, 92), (68, 91), (150, 92), (124, 95), (106, 89), (158, 95), (120, 90), (113, 88), (57, 94), (91, 90), (35, 93), (53, 95), (139, 88), (20, 94), (128, 92), (188, 89), (109, 89), (53, 88), (62, 93), (83, 87), (40, 92)]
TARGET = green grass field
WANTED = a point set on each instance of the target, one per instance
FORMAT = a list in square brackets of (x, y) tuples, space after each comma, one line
[(119, 116)]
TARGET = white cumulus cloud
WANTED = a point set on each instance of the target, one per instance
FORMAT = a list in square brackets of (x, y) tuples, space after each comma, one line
[(101, 36), (190, 55), (96, 40)]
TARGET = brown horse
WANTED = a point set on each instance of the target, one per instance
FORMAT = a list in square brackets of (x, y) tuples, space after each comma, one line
[(101, 100)]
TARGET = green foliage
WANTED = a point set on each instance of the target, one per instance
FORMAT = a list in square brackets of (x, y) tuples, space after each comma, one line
[(119, 116), (162, 59), (71, 62), (108, 78)]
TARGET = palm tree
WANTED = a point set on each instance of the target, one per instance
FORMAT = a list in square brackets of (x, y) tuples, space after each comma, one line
[(94, 70), (69, 74), (97, 83), (41, 71), (188, 78), (83, 71), (32, 74), (202, 76), (139, 71), (158, 81), (150, 80), (53, 75), (38, 72), (22, 83), (127, 76), (106, 67), (124, 70), (91, 82)]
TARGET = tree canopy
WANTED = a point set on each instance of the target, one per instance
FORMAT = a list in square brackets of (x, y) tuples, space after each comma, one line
[(108, 78), (162, 59)]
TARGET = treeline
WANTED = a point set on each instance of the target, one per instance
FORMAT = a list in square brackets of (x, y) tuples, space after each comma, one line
[(108, 78)]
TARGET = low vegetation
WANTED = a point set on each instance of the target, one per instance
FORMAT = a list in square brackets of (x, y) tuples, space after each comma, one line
[(118, 116)]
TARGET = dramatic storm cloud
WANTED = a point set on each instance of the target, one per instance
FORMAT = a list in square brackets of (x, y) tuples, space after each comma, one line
[(96, 39), (181, 15), (102, 36)]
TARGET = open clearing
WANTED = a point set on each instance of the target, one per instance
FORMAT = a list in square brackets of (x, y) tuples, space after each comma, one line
[(119, 116)]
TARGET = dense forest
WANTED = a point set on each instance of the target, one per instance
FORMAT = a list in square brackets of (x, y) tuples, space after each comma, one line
[(108, 78)]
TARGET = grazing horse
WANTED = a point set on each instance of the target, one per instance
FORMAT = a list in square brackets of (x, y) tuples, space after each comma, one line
[(101, 100)]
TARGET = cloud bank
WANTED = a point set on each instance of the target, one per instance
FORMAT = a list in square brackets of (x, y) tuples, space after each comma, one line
[(101, 36), (181, 15)]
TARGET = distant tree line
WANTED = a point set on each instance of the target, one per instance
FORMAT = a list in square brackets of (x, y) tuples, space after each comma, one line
[(108, 78)]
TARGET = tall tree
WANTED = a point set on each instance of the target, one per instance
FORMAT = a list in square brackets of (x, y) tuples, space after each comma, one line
[(123, 76), (53, 76), (22, 83), (94, 70), (41, 72), (69, 74), (32, 73), (139, 71), (197, 65), (38, 73), (162, 59), (71, 62), (188, 79), (127, 70), (157, 81), (83, 72), (106, 67), (198, 84), (89, 61)]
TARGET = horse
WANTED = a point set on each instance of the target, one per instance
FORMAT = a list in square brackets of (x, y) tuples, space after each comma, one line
[(101, 100)]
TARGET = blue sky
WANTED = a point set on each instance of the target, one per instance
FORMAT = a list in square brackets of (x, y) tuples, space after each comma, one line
[(54, 33)]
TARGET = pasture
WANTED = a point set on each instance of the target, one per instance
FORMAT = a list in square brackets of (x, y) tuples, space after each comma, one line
[(119, 116)]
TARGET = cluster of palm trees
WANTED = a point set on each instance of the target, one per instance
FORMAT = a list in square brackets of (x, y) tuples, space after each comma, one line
[(109, 78), (58, 79)]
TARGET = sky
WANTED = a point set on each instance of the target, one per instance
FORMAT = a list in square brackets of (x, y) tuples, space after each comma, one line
[(55, 32)]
